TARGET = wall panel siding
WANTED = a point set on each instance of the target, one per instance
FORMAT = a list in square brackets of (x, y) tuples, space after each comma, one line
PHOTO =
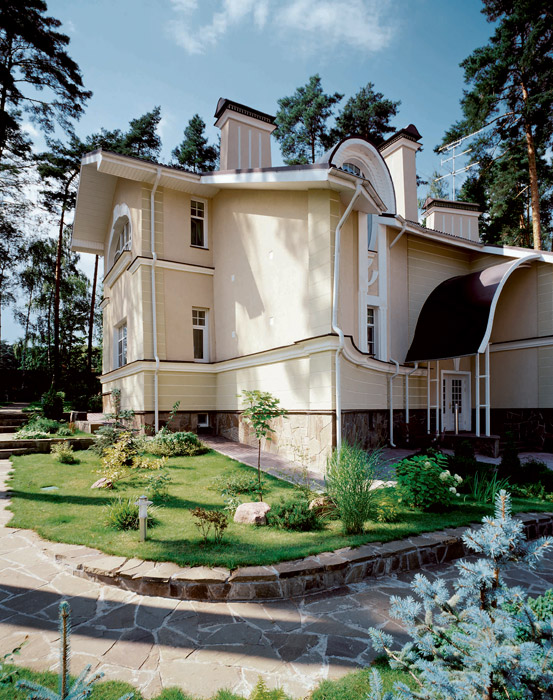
[(545, 299), (429, 264), (545, 386)]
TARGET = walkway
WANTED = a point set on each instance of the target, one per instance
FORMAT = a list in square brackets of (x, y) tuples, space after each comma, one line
[(200, 647)]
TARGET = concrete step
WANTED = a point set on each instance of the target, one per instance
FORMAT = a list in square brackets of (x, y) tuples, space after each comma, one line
[(9, 452), (9, 428), (13, 419)]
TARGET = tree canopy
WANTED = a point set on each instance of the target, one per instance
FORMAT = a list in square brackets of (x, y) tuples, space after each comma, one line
[(194, 152), (366, 114), (301, 121), (510, 83)]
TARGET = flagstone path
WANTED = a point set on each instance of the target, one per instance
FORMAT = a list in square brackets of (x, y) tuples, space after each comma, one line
[(200, 647)]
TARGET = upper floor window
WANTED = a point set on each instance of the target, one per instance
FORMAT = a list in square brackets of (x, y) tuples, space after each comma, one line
[(198, 230), (123, 240), (200, 335), (351, 168), (121, 345), (371, 330)]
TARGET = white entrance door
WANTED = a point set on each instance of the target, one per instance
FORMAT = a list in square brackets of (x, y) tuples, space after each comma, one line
[(455, 390)]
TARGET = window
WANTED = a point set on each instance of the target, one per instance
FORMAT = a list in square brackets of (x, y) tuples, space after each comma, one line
[(198, 237), (203, 420), (123, 240), (351, 168), (121, 345), (371, 330), (200, 335)]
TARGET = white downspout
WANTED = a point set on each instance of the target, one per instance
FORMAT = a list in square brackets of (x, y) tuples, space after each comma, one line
[(391, 387), (408, 374), (335, 326), (154, 310)]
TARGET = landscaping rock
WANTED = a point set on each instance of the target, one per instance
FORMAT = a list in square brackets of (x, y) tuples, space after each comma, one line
[(322, 505), (252, 513), (103, 483)]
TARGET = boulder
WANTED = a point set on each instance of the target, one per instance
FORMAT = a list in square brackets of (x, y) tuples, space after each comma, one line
[(252, 513), (103, 483), (323, 506)]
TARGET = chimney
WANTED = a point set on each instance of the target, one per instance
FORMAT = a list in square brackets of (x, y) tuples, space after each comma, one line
[(457, 218), (399, 152), (245, 136)]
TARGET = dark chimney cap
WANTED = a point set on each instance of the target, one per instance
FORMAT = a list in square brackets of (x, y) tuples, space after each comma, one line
[(225, 103)]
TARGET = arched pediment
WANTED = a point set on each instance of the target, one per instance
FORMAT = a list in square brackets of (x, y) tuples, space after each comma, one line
[(362, 154)]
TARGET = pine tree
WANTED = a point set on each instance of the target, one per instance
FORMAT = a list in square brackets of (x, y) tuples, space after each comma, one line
[(194, 151), (142, 139), (484, 641), (512, 78), (366, 114), (302, 122)]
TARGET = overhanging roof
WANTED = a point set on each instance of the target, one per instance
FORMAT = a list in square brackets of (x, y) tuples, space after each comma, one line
[(457, 317)]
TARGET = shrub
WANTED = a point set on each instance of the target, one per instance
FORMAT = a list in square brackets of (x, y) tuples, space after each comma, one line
[(167, 444), (425, 483), (63, 452), (536, 490), (386, 505), (470, 644), (122, 514), (542, 605), (236, 482), (118, 458), (534, 471), (350, 473), (206, 520), (110, 432), (52, 404), (484, 486), (148, 463), (158, 485), (510, 461), (261, 692), (39, 427), (95, 403), (293, 514)]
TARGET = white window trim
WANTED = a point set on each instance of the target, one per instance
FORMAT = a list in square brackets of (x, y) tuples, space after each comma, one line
[(205, 246), (117, 331), (375, 330), (456, 373), (205, 330), (203, 424), (126, 245)]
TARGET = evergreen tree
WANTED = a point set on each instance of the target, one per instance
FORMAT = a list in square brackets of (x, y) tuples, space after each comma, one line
[(194, 151), (484, 641), (142, 139), (512, 78), (36, 74), (366, 114), (302, 122)]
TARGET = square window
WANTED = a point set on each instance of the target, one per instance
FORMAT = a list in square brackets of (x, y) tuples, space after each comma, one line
[(197, 224)]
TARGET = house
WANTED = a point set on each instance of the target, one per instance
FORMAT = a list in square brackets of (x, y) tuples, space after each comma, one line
[(315, 283)]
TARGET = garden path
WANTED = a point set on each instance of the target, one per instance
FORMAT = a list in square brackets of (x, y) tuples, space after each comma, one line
[(201, 647)]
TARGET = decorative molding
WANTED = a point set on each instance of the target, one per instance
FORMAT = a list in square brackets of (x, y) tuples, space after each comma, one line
[(170, 265), (523, 344), (117, 269)]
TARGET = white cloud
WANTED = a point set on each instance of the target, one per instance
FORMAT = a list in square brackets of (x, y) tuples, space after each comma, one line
[(30, 129), (365, 25)]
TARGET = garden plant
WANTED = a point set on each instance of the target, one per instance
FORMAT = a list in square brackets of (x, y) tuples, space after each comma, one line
[(483, 640), (425, 482)]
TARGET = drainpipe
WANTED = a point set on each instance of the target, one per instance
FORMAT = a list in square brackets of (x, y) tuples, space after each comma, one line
[(402, 230), (335, 326), (408, 374), (391, 388), (154, 310)]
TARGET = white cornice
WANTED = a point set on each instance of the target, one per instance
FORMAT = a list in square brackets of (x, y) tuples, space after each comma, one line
[(522, 344), (82, 246), (118, 268), (171, 265), (102, 305)]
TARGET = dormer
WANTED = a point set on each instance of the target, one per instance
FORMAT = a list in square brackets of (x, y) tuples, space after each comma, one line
[(245, 136), (453, 217)]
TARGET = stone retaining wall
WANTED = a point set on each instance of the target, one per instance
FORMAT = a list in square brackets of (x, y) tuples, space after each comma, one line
[(285, 580)]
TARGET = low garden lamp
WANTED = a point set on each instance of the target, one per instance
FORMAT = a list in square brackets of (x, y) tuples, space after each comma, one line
[(143, 504)]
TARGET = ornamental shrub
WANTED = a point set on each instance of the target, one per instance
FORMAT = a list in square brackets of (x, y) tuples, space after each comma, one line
[(118, 458), (166, 444), (207, 520), (350, 473), (52, 404), (293, 514), (122, 514), (39, 427), (63, 452), (484, 641), (236, 482), (425, 482)]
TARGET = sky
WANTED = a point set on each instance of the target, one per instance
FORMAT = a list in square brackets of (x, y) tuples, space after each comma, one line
[(185, 54)]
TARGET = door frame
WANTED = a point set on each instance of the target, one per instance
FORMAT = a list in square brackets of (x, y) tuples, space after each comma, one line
[(468, 375)]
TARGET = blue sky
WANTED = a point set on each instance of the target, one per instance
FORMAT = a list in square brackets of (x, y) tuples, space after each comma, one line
[(185, 54)]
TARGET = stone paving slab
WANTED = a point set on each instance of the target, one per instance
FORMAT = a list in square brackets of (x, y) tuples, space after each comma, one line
[(155, 642)]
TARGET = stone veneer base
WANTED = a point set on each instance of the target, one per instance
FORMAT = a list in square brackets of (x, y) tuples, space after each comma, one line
[(285, 580)]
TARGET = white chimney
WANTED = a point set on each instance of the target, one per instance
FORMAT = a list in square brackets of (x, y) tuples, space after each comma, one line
[(457, 218), (245, 136), (399, 153)]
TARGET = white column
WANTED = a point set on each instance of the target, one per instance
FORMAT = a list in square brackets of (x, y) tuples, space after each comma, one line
[(487, 388), (428, 397), (438, 397), (477, 391)]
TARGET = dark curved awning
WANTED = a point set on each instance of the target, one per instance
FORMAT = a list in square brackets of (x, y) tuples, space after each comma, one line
[(457, 317)]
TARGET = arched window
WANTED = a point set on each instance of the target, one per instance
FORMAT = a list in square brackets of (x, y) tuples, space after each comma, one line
[(351, 168), (121, 233), (123, 239)]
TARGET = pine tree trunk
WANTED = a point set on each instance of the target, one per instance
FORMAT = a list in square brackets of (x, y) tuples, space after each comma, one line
[(91, 319), (4, 96), (533, 173), (56, 353), (259, 469)]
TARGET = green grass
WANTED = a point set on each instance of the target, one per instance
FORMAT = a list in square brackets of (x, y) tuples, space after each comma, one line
[(353, 686), (75, 514)]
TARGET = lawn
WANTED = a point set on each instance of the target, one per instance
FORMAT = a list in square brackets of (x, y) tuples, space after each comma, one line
[(75, 513)]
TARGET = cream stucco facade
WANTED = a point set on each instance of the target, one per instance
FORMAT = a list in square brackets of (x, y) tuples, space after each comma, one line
[(246, 299)]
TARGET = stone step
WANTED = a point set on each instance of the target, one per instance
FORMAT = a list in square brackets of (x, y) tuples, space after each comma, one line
[(44, 445), (10, 451), (9, 428), (13, 418)]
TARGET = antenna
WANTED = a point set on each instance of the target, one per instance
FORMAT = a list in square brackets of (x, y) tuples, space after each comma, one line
[(451, 147)]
